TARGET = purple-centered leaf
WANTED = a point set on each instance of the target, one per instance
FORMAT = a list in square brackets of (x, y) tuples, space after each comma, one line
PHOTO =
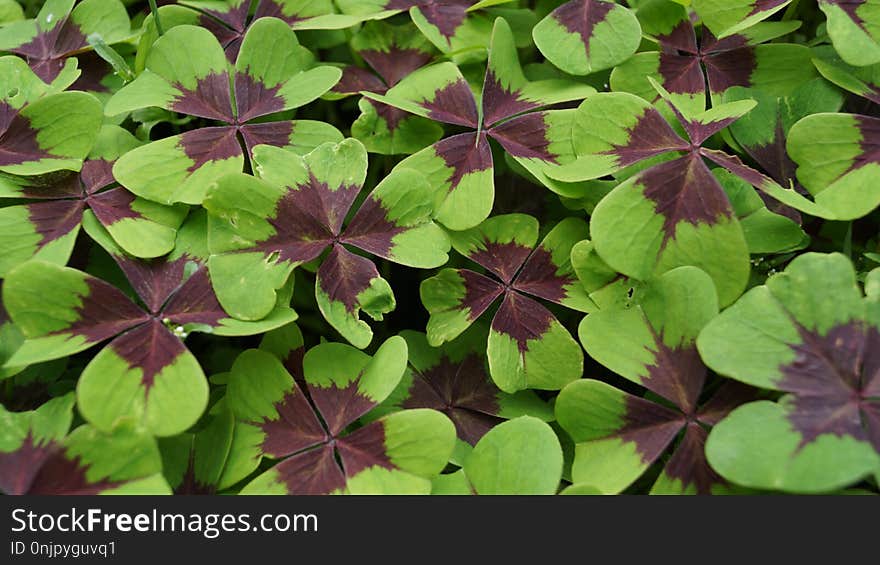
[(371, 230), (19, 468), (194, 302), (205, 145), (581, 17), (150, 347), (228, 25), (500, 102), (229, 21), (54, 37), (526, 137), (59, 474), (104, 312), (687, 68), (523, 330), (364, 448), (522, 319), (392, 52), (649, 426), (308, 219), (540, 277), (311, 472), (834, 379), (356, 79), (652, 135), (676, 374), (728, 396), (453, 104), (277, 134), (343, 384), (480, 292), (463, 391), (153, 280), (463, 154), (343, 276), (688, 463), (18, 140), (296, 427), (501, 259), (210, 99), (685, 190), (39, 456), (395, 64), (445, 15), (59, 206)]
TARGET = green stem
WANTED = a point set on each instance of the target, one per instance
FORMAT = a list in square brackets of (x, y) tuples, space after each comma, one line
[(847, 241), (155, 10), (790, 11)]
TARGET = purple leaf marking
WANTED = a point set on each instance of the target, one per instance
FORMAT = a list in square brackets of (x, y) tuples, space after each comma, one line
[(650, 426), (104, 312), (688, 463), (764, 5), (677, 374), (54, 219), (729, 396), (525, 137), (463, 391), (582, 16), (112, 206), (364, 448), (209, 100), (356, 79), (253, 99), (60, 475), (195, 302), (339, 407), (154, 280), (269, 133), (500, 103), (47, 51), (684, 190), (869, 128), (464, 154), (150, 347), (445, 15), (834, 380), (652, 135), (501, 259), (209, 144), (395, 64), (522, 319), (312, 472), (730, 68), (479, 293), (538, 277), (682, 73), (371, 230), (727, 62), (453, 104), (19, 468), (295, 429), (344, 275), (18, 141)]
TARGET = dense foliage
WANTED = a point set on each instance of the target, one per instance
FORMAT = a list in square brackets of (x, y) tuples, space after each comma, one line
[(439, 246)]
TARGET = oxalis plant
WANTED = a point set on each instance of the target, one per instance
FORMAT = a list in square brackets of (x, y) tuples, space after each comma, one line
[(439, 247)]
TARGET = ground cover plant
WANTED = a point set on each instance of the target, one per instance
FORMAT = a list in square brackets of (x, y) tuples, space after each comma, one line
[(440, 247)]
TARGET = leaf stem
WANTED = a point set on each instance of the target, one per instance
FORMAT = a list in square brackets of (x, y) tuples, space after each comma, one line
[(847, 241), (790, 11), (155, 9)]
